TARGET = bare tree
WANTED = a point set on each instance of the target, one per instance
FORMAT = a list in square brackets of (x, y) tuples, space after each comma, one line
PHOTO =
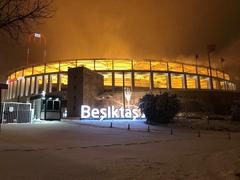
[(17, 16)]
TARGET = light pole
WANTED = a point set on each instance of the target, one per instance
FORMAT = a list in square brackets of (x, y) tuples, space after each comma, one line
[(198, 78), (196, 57), (31, 38), (222, 64), (210, 48)]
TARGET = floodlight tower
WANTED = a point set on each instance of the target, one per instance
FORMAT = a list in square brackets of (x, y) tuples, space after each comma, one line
[(31, 38)]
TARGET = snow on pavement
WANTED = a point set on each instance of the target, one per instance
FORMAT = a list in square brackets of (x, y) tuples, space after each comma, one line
[(73, 150)]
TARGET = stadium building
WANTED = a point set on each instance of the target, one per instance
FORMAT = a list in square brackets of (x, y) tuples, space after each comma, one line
[(68, 84)]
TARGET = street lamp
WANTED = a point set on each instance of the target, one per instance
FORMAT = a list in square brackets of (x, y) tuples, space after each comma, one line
[(222, 64)]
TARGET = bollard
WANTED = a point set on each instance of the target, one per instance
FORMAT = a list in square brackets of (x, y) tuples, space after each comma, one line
[(171, 131), (111, 125), (229, 136), (199, 134), (128, 126), (148, 129)]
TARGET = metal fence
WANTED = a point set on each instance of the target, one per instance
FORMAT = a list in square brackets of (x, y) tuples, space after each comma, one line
[(13, 112)]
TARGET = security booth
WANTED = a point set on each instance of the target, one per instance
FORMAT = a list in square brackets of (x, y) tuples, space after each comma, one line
[(47, 107)]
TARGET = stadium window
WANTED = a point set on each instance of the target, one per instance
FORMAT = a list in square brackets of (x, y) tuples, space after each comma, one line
[(122, 65), (53, 67), (202, 70), (141, 65), (204, 83), (214, 73), (216, 84), (175, 67), (177, 81), (160, 80), (19, 74), (142, 79), (119, 79), (103, 64), (86, 63), (64, 66), (158, 66), (107, 78), (189, 69), (191, 82), (38, 70), (28, 71)]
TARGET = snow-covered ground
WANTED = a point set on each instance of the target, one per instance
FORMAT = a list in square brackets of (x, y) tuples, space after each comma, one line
[(86, 150)]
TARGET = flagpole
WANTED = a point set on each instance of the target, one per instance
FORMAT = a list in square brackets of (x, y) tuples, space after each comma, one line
[(210, 69)]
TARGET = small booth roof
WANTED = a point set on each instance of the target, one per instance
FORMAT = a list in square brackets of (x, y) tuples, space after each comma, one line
[(39, 96)]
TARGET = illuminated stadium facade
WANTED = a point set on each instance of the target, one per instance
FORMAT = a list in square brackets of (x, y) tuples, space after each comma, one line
[(136, 74), (61, 89)]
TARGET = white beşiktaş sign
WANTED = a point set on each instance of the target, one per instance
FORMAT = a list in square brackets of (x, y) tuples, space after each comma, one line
[(110, 112)]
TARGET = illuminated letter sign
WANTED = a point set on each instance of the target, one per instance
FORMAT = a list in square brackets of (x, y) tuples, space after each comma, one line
[(110, 112)]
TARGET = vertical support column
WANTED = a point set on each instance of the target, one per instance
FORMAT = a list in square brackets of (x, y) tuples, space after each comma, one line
[(25, 88), (58, 83), (15, 86), (151, 81), (44, 83), (13, 89), (49, 84), (113, 81), (30, 87), (198, 82), (123, 91), (185, 81), (17, 89), (35, 85), (210, 69), (8, 91), (169, 81), (132, 80)]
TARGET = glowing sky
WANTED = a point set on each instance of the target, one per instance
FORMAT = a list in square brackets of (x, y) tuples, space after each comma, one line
[(170, 29)]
